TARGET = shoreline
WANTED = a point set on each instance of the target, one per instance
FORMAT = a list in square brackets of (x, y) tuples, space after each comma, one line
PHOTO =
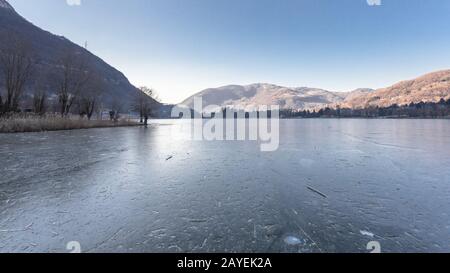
[(52, 124), (25, 125), (73, 129), (381, 118)]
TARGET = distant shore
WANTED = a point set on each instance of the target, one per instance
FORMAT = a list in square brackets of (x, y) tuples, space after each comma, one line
[(381, 118), (32, 124), (28, 124)]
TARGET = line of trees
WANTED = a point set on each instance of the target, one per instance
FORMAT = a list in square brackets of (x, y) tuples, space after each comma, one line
[(439, 109), (76, 84), (77, 88)]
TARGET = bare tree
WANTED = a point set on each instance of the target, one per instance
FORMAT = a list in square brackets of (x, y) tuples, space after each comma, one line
[(39, 96), (89, 99), (1, 104), (74, 77), (39, 101), (99, 110), (16, 63), (116, 108), (144, 101)]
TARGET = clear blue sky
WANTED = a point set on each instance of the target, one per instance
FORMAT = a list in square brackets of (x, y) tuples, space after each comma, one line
[(180, 47)]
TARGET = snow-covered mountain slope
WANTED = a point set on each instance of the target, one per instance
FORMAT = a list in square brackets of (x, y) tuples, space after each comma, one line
[(428, 88), (431, 87), (268, 94)]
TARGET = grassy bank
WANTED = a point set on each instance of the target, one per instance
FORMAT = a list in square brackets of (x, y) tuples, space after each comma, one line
[(33, 123)]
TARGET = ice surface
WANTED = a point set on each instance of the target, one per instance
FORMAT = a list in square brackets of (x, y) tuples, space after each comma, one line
[(112, 190)]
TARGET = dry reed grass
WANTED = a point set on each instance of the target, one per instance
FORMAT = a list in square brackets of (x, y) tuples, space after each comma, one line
[(21, 123)]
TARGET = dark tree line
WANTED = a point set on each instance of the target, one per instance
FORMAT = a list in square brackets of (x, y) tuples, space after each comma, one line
[(414, 110), (439, 109)]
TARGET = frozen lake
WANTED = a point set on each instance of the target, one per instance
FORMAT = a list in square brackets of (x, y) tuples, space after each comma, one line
[(140, 190)]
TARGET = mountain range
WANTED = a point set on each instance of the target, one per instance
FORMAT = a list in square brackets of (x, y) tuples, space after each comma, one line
[(428, 88), (270, 94)]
